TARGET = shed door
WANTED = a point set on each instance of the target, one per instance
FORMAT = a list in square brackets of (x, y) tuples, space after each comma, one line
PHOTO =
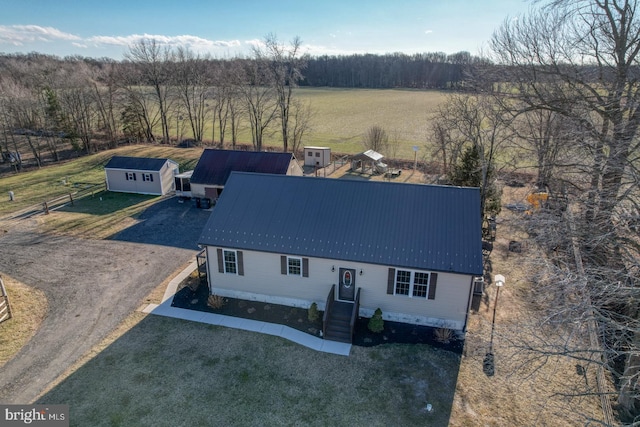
[(347, 280)]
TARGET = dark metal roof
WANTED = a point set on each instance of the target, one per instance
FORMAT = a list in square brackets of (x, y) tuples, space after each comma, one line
[(135, 163), (214, 166), (404, 225)]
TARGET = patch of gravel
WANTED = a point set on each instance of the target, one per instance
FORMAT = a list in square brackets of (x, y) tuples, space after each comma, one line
[(91, 286)]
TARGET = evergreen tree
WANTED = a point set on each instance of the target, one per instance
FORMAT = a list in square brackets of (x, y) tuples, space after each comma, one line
[(474, 171)]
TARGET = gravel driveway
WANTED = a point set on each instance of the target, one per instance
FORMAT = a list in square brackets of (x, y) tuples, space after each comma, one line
[(91, 286)]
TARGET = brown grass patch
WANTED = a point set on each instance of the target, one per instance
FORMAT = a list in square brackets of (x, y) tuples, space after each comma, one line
[(29, 307), (522, 392)]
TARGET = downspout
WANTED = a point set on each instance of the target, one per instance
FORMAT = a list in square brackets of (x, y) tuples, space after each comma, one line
[(209, 276), (466, 316)]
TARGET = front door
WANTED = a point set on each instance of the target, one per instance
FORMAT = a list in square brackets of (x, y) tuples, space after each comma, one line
[(347, 288)]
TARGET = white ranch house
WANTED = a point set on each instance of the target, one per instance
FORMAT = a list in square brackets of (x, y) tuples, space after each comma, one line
[(411, 250)]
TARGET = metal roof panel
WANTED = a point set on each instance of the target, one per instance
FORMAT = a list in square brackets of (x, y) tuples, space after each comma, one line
[(135, 163), (405, 225), (215, 166)]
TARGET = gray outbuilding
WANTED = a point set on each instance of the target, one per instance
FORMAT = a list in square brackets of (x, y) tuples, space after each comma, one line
[(142, 175)]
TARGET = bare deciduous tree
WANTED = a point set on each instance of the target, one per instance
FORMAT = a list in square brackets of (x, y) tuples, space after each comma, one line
[(285, 67), (375, 138), (259, 97), (301, 115), (192, 85), (152, 62), (107, 98)]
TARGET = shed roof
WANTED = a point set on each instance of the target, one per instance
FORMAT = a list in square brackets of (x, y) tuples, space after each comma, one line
[(136, 163), (404, 225), (215, 166), (368, 155)]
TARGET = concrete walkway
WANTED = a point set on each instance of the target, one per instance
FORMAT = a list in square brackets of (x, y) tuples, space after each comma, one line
[(299, 337)]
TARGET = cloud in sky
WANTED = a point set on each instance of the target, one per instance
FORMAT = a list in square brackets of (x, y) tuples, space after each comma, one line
[(18, 35), (181, 40), (27, 37), (428, 31)]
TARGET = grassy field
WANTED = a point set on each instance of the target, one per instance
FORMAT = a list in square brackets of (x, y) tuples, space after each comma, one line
[(342, 116)]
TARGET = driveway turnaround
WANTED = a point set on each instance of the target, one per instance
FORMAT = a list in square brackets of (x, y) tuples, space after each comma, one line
[(91, 286)]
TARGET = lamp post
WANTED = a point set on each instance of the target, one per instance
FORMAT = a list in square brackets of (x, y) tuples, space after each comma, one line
[(488, 365)]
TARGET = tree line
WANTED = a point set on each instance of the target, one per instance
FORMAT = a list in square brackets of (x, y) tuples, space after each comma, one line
[(419, 71)]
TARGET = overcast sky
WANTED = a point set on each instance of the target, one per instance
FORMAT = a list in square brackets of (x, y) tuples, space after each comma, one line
[(226, 28)]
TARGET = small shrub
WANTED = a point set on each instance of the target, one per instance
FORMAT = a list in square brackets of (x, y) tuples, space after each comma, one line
[(443, 335), (376, 323), (215, 301), (312, 313)]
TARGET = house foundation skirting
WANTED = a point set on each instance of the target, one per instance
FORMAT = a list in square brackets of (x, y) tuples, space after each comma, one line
[(271, 299), (364, 312)]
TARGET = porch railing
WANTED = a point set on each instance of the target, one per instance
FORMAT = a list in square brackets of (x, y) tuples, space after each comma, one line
[(354, 313), (327, 309)]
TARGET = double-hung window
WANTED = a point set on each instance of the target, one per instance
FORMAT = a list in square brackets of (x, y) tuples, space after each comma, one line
[(131, 176), (403, 282), (414, 284), (294, 266), (147, 177), (230, 261), (420, 284)]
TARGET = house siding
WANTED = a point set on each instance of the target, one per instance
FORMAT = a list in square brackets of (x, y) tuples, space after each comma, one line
[(198, 190), (161, 184), (294, 168), (167, 173), (317, 156), (263, 281)]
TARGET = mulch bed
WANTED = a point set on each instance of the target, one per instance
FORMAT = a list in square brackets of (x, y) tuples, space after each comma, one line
[(394, 332)]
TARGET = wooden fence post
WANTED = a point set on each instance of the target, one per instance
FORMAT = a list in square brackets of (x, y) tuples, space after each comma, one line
[(71, 198), (46, 208), (5, 307)]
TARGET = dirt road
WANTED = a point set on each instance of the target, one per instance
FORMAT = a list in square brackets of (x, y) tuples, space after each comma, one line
[(91, 286)]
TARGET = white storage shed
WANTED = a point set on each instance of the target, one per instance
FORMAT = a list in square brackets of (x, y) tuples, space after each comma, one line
[(317, 156)]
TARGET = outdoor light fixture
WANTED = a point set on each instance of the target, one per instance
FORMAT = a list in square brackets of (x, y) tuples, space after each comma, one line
[(333, 268), (361, 272), (489, 360)]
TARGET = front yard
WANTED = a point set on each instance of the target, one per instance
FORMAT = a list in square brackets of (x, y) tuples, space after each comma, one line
[(172, 372)]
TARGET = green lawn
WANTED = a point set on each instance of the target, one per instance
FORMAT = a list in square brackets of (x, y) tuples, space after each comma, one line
[(98, 216), (37, 185), (169, 372)]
